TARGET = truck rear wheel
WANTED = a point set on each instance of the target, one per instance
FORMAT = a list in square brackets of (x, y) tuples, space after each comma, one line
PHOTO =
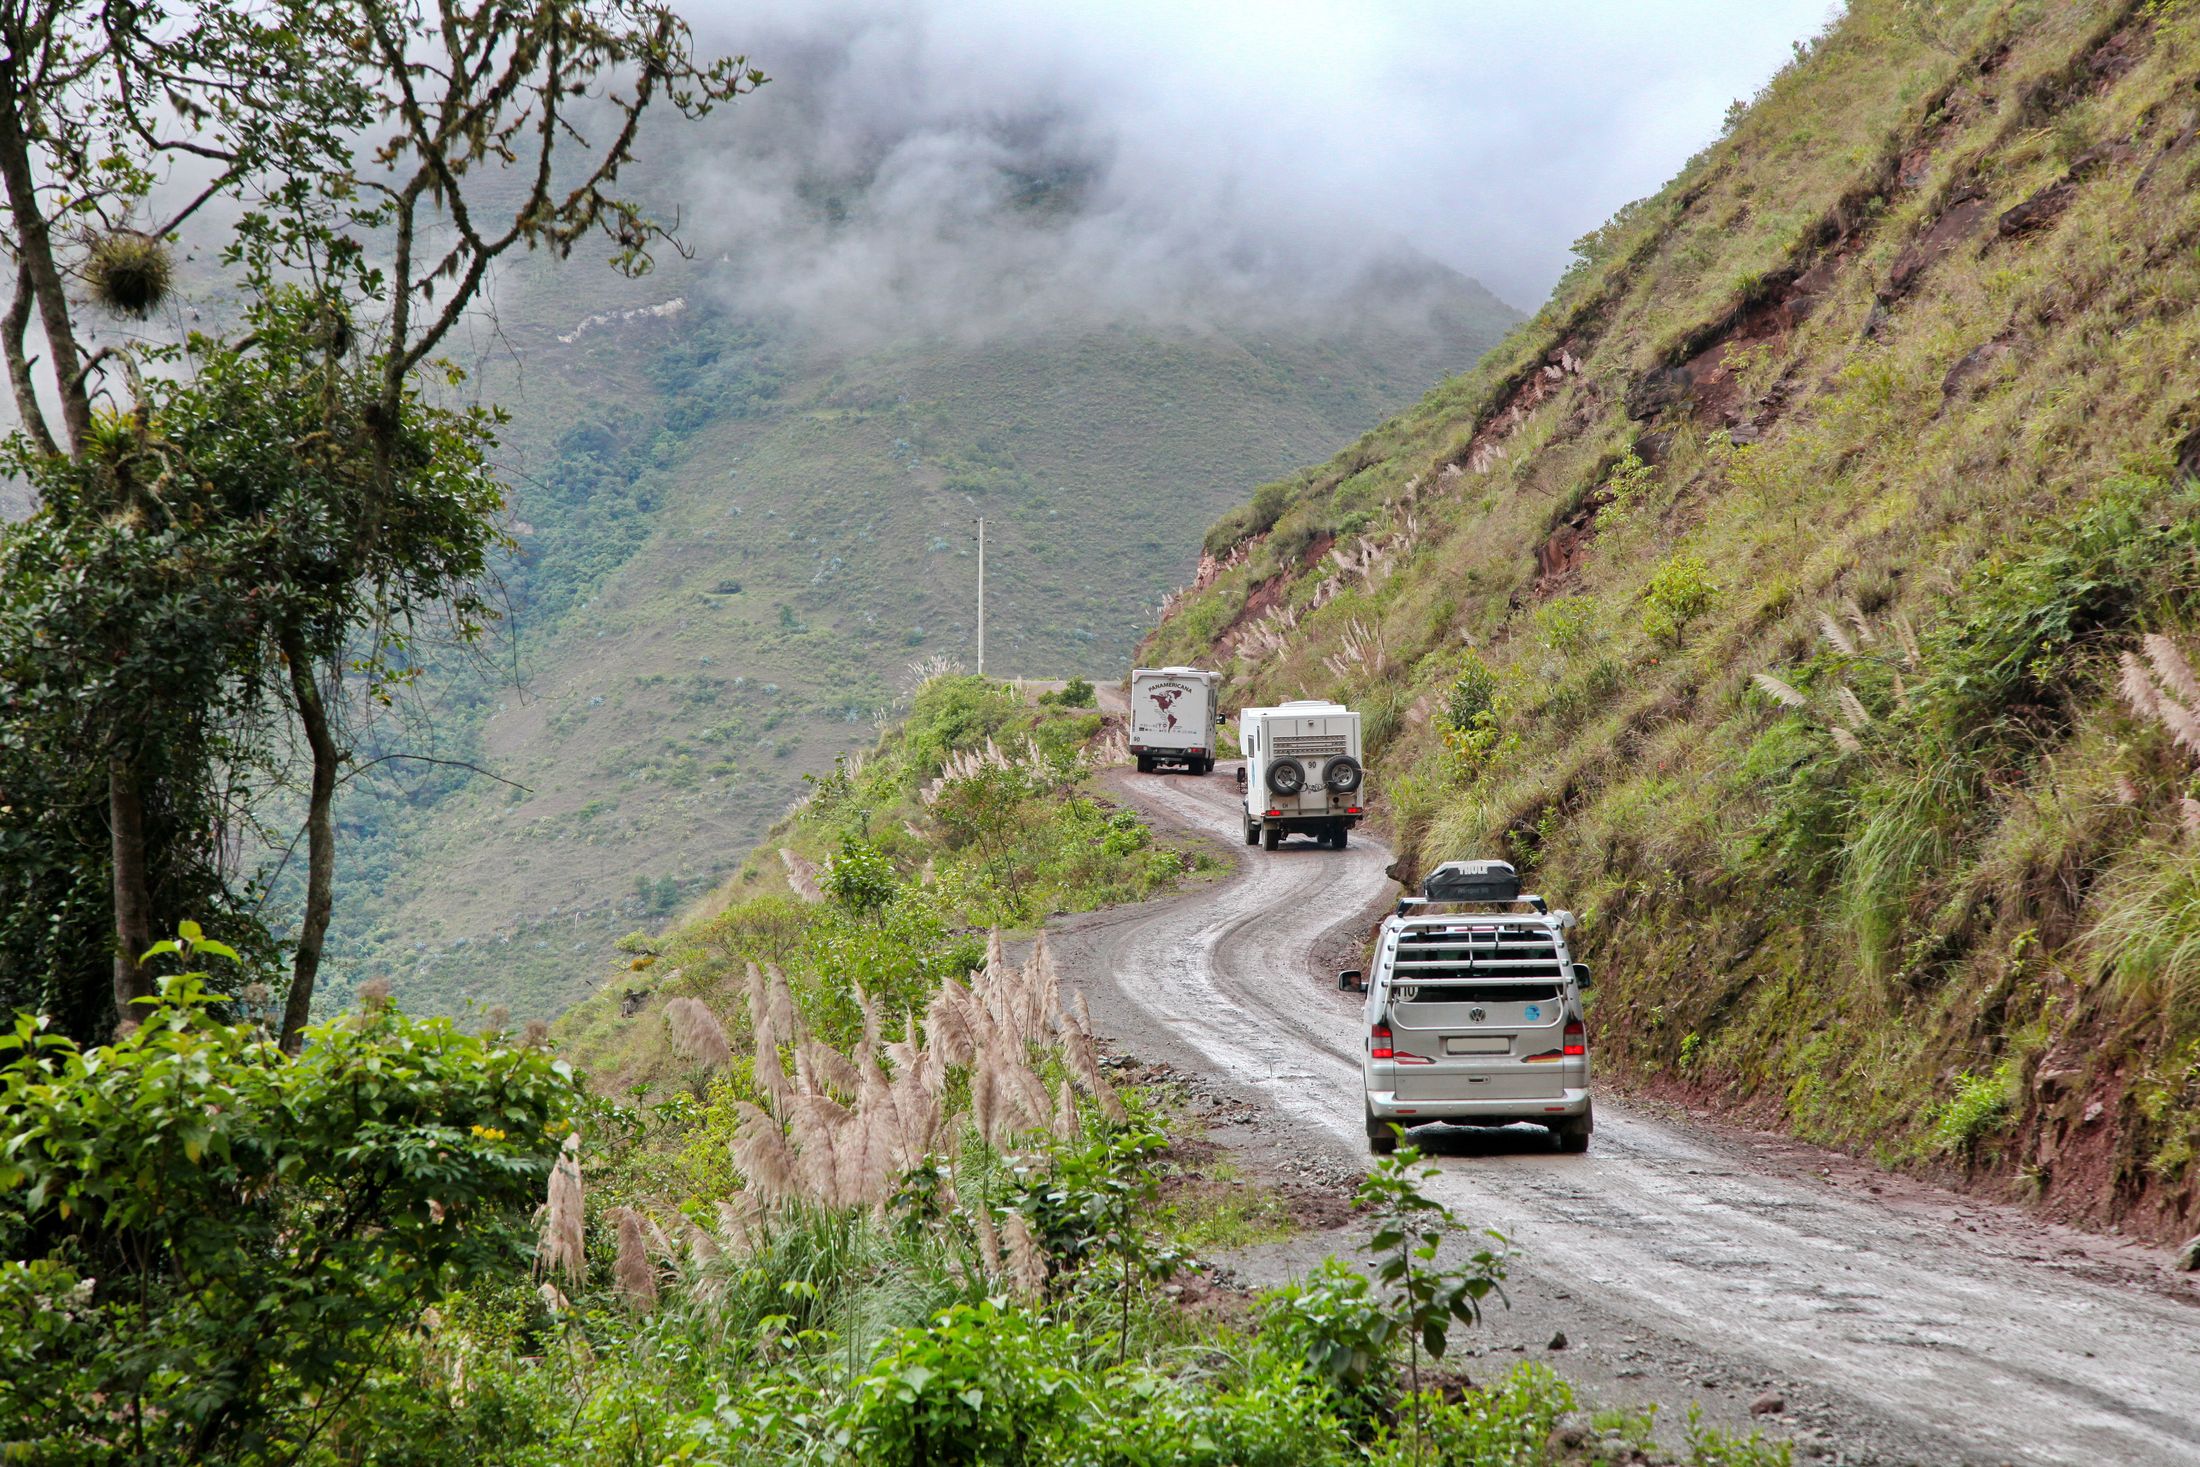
[(1252, 832), (1145, 764), (1271, 836), (1341, 835)]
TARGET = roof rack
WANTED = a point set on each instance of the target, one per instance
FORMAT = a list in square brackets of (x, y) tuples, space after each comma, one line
[(1543, 908)]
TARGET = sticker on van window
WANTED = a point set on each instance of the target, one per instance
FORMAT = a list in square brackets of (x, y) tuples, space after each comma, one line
[(1532, 1012)]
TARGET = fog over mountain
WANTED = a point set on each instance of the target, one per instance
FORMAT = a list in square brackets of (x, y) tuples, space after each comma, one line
[(948, 165)]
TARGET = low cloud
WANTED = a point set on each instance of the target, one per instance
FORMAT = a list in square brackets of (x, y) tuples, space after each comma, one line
[(937, 165)]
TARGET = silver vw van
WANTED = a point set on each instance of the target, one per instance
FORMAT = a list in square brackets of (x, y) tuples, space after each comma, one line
[(1473, 1014)]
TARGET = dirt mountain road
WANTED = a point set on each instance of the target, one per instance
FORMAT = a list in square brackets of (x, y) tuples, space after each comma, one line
[(1684, 1261)]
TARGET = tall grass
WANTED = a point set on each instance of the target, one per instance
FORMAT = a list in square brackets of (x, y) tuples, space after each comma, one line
[(2148, 933)]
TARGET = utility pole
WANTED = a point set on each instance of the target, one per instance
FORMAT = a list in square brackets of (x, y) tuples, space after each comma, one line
[(981, 596)]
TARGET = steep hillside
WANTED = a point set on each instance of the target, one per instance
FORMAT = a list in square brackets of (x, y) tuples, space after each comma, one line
[(1808, 593), (735, 537)]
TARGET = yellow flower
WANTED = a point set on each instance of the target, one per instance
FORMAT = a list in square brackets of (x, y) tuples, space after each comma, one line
[(488, 1133)]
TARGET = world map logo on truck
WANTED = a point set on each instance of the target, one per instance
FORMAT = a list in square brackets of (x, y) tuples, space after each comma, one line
[(1165, 699)]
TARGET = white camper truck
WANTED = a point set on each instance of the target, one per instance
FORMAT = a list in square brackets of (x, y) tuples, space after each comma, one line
[(1173, 718), (1301, 772)]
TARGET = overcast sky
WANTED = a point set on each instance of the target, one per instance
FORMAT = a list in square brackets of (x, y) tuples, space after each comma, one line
[(1280, 136)]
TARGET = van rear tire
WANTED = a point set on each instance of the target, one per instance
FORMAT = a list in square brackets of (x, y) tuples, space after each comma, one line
[(1573, 1132), (1252, 832), (1341, 836), (1271, 836), (1381, 1139), (1145, 764)]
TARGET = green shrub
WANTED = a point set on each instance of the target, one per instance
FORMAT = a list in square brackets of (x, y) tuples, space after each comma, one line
[(1708, 1446), (1680, 592), (984, 1384), (226, 1238), (860, 878), (1334, 1324), (1507, 1425), (1980, 1106), (1270, 1419)]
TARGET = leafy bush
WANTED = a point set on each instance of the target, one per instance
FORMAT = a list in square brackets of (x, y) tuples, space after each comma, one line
[(1710, 1447), (1507, 1425), (222, 1240), (860, 878), (1680, 591), (1334, 1324), (1980, 1106), (1473, 726), (984, 1384), (1076, 693)]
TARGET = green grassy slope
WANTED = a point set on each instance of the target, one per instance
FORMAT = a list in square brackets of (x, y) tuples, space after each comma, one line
[(1766, 594), (734, 543)]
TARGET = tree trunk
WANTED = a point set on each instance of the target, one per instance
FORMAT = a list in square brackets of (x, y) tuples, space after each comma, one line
[(305, 964), (34, 255), (133, 896)]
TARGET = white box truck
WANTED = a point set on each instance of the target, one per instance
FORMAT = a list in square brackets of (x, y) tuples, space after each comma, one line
[(1173, 718), (1301, 773)]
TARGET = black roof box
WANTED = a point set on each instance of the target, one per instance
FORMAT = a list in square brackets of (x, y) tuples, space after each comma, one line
[(1472, 881)]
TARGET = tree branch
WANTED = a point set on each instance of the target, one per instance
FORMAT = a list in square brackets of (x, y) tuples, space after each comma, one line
[(13, 327), (359, 769)]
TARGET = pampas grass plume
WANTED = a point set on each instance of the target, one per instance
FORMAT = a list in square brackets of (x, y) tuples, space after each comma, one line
[(2172, 668), (560, 1247), (1027, 1267), (2136, 688), (1778, 691), (1835, 633), (696, 1034), (632, 1277), (1068, 1129), (785, 1025), (761, 1154), (989, 1242), (828, 1069)]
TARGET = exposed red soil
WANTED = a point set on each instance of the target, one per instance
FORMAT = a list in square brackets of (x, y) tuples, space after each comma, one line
[(1558, 559), (1544, 379)]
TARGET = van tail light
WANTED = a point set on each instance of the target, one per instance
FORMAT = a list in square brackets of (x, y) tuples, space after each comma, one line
[(1577, 1037), (1379, 1046)]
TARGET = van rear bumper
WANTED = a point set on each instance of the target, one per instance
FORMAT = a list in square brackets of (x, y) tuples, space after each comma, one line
[(1385, 1105)]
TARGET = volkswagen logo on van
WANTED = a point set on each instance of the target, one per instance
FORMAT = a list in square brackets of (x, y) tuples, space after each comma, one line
[(1477, 1014)]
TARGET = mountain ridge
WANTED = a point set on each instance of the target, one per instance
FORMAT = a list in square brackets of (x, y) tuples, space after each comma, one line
[(1792, 591)]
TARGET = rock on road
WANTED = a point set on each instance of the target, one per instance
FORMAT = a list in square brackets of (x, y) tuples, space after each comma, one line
[(1932, 1327)]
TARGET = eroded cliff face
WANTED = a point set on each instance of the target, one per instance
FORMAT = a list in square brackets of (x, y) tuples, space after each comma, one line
[(1808, 593)]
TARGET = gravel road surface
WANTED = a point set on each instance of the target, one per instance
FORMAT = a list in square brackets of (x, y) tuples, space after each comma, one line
[(1681, 1260)]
